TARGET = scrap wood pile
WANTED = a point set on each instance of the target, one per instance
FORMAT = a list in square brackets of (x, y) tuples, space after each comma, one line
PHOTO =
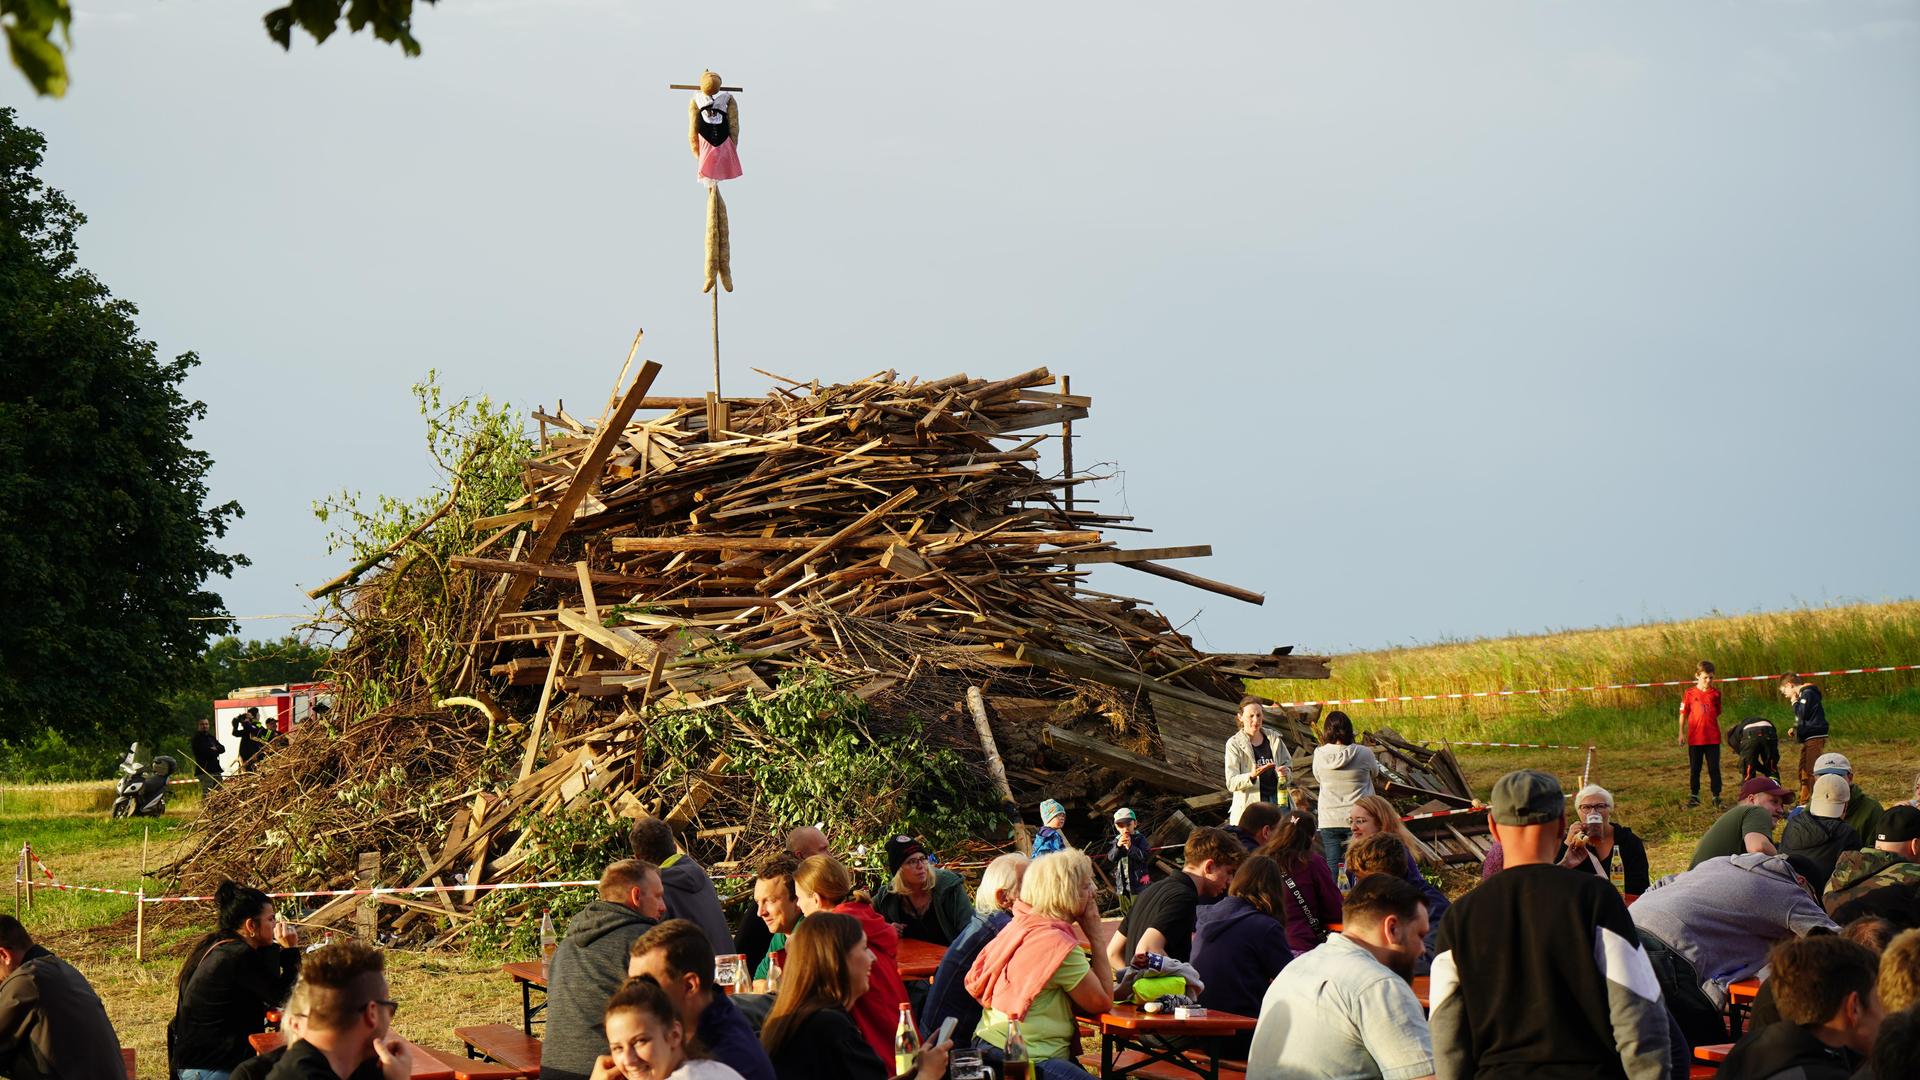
[(1427, 780), (678, 557)]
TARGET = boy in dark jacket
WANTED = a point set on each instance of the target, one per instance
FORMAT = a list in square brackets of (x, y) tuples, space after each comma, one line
[(591, 963), (51, 1022), (1809, 726), (1132, 860)]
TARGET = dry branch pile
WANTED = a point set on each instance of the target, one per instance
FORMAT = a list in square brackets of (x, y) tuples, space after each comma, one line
[(901, 539)]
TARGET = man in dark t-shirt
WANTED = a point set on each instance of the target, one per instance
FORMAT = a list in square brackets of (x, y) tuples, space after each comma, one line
[(1538, 972), (1162, 918), (1747, 826)]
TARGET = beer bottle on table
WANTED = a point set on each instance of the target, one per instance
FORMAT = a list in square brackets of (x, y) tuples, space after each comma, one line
[(1017, 1064), (548, 943), (906, 1042)]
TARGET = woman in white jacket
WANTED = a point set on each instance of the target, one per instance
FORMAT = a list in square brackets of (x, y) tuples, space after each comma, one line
[(1257, 767), (1345, 774)]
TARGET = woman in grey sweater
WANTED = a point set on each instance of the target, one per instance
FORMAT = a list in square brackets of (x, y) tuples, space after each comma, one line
[(1345, 772)]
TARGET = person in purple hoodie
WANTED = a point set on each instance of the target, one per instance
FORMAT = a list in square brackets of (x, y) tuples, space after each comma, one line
[(1240, 944), (1310, 898)]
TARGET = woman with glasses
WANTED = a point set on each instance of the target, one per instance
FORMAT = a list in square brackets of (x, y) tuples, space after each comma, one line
[(922, 902), (1594, 843)]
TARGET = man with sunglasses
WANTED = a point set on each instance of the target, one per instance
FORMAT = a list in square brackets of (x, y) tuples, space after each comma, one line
[(349, 1008)]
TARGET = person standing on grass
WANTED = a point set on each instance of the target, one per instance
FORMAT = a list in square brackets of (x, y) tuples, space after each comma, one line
[(1257, 765), (1809, 726), (1700, 732), (1539, 970), (206, 757), (1345, 773), (1130, 857), (1747, 827)]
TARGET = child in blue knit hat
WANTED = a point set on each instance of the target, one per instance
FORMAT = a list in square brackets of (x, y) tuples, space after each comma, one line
[(1053, 818)]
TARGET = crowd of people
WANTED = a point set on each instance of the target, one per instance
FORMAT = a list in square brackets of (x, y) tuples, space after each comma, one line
[(1564, 960)]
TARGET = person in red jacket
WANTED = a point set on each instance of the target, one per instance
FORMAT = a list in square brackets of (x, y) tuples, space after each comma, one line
[(823, 883), (1700, 732)]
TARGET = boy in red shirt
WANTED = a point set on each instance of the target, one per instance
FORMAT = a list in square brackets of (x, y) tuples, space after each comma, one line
[(1700, 731)]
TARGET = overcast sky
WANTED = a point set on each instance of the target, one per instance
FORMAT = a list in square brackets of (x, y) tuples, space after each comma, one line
[(1435, 319)]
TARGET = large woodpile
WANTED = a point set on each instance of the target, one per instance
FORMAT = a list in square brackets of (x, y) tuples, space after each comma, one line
[(911, 539)]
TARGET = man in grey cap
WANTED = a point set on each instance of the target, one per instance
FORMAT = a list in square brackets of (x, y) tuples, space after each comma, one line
[(1539, 969)]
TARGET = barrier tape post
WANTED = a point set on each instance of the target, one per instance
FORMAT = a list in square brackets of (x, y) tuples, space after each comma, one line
[(140, 925), (29, 874), (19, 871)]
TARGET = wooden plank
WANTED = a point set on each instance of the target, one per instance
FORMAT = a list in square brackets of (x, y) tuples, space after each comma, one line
[(624, 644), (1198, 582), (857, 525), (585, 478), (1194, 551), (755, 542), (1112, 757), (540, 714), (983, 727), (553, 573), (586, 590)]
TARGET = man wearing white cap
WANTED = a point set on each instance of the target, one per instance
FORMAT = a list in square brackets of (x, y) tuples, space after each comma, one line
[(1130, 857), (1863, 810), (1817, 830)]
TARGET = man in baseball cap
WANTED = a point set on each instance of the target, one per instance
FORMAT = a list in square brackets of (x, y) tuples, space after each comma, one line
[(1747, 826), (1884, 879), (1540, 963), (1130, 857), (1818, 830), (1863, 810)]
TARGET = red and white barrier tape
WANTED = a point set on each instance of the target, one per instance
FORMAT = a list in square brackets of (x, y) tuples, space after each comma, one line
[(395, 890), (1522, 745), (1655, 684)]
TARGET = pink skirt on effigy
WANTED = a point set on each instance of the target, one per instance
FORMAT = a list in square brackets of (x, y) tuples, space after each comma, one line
[(718, 162)]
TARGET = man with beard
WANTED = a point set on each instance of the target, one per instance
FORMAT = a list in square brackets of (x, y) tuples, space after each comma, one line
[(1347, 1008)]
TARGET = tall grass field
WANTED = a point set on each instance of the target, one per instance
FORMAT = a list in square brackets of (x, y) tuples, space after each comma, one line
[(1809, 639)]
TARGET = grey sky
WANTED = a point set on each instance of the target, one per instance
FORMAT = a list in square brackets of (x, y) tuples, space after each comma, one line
[(1435, 319)]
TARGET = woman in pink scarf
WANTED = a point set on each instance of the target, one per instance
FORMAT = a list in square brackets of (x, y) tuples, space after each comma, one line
[(1035, 972)]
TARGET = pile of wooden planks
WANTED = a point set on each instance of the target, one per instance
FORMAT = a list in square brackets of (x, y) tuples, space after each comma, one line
[(1427, 780), (908, 537)]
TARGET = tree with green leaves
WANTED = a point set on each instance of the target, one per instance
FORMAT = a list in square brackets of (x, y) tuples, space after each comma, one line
[(106, 536), (32, 27)]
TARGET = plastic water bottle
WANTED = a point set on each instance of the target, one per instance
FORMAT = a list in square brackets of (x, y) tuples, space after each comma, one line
[(548, 943)]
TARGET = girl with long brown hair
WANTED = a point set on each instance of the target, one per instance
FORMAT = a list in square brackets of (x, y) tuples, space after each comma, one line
[(824, 884), (1240, 943), (1311, 898), (811, 1033)]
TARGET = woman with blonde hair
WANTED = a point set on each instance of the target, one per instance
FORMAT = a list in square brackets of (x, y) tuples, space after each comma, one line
[(1035, 972), (824, 884), (1373, 815), (811, 1033)]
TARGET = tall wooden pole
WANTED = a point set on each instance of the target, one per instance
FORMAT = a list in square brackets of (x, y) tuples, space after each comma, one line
[(1066, 443), (716, 342)]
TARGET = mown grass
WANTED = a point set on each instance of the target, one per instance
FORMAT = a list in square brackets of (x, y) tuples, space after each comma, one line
[(95, 931), (1807, 639)]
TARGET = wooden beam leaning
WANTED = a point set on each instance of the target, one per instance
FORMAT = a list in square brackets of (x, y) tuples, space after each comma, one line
[(1121, 761), (1198, 582), (584, 479)]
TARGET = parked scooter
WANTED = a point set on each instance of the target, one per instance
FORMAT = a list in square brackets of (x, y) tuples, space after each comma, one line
[(142, 791)]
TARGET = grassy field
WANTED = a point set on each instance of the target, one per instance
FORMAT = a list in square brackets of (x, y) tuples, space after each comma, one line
[(1875, 721), (95, 931)]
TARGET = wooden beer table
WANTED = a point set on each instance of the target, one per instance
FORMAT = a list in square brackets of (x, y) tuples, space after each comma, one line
[(918, 960), (529, 974), (1162, 1040)]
